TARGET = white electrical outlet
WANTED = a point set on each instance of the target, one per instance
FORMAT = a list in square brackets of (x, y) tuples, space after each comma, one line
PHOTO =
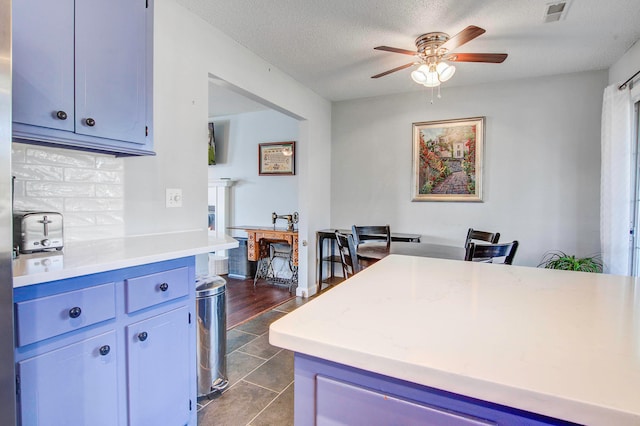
[(174, 197)]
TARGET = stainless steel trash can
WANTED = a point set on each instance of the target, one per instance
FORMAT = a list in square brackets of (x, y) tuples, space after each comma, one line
[(212, 334)]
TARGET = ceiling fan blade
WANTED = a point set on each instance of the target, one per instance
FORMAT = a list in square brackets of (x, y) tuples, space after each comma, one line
[(396, 50), (401, 67), (463, 37), (493, 58)]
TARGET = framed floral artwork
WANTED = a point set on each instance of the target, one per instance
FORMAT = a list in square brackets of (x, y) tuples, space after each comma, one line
[(447, 160)]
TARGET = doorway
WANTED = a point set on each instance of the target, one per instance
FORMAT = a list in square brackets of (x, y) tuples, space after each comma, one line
[(239, 123)]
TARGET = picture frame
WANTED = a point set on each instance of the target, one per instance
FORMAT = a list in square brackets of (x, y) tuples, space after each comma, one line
[(277, 158), (448, 160), (212, 146)]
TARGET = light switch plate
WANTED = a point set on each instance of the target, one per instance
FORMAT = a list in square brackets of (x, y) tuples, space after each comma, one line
[(174, 197)]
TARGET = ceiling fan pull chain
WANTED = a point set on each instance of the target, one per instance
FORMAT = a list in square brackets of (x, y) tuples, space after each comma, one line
[(432, 96), (439, 97)]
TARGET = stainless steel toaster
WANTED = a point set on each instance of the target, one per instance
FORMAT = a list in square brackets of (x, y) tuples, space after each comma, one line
[(37, 231)]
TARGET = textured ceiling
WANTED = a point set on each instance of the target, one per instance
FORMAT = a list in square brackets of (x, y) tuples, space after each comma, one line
[(328, 44)]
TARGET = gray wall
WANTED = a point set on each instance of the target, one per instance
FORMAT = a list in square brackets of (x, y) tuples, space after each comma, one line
[(541, 163), (254, 197)]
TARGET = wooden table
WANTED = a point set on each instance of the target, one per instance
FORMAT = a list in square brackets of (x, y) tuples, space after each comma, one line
[(372, 252), (256, 233)]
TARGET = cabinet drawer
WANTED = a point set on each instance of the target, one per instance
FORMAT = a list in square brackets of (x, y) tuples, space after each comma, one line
[(50, 316), (346, 403), (149, 290)]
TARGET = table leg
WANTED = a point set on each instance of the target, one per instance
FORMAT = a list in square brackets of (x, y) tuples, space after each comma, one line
[(320, 242), (332, 254)]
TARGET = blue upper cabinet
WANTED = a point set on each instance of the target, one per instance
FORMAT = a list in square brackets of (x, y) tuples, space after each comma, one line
[(110, 70), (82, 74), (43, 64)]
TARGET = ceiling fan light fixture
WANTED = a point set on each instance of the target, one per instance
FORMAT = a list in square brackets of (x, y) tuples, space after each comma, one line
[(433, 74), (434, 53), (445, 71), (420, 75), (432, 78)]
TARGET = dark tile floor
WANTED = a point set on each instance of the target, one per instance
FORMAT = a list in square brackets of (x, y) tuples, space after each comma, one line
[(260, 390)]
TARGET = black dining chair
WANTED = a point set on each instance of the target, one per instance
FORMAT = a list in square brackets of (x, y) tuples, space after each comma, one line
[(366, 234), (488, 252), (489, 237), (348, 256)]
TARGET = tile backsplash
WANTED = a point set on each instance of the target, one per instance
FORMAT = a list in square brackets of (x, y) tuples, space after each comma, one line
[(87, 188)]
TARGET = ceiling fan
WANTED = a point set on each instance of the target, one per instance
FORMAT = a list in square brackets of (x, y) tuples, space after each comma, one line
[(433, 50)]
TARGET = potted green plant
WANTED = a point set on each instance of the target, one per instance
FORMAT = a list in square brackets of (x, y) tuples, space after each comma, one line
[(563, 261)]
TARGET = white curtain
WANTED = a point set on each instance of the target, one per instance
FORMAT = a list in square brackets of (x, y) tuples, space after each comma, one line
[(615, 180)]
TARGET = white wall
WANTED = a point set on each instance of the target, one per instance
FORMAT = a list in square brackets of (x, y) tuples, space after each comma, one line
[(541, 163), (626, 66), (253, 197), (186, 51)]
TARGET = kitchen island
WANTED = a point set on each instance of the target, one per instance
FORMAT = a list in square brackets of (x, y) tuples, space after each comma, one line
[(476, 343), (105, 331)]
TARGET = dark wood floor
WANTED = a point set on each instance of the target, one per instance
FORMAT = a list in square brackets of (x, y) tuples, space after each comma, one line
[(245, 302)]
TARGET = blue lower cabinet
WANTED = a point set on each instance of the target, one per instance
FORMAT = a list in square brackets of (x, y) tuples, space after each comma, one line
[(327, 393), (343, 403), (83, 359), (158, 369), (74, 385)]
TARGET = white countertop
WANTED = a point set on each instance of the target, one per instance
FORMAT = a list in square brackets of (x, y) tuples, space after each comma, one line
[(563, 344), (89, 257)]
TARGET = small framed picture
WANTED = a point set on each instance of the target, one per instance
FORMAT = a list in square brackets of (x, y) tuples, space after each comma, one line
[(276, 158), (212, 145), (447, 160)]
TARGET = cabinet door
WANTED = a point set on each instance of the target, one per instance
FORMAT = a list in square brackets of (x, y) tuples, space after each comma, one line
[(73, 385), (158, 359), (110, 69), (43, 81)]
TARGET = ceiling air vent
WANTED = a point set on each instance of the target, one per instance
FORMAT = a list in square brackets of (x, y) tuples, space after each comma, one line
[(555, 11)]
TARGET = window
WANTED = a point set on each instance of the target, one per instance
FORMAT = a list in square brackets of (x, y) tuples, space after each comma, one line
[(635, 241)]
